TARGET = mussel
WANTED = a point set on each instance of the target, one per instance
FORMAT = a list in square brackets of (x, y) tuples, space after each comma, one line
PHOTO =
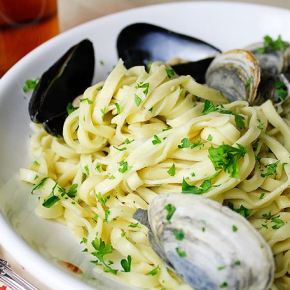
[(142, 43), (61, 84), (208, 244)]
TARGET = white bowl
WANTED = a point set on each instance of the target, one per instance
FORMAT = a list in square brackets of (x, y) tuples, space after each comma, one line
[(38, 244)]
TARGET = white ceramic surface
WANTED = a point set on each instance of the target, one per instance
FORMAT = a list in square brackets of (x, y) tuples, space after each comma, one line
[(35, 243)]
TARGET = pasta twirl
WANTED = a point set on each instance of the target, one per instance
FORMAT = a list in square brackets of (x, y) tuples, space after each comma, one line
[(139, 134)]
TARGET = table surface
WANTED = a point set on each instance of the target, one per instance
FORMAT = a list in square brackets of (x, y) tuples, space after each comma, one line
[(74, 12)]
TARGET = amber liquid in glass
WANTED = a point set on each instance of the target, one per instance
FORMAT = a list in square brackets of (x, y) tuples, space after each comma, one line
[(24, 24)]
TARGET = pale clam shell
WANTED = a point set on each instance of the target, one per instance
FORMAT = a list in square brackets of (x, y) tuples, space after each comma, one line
[(222, 248), (236, 73)]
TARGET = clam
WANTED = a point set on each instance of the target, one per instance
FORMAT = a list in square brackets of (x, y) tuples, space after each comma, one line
[(236, 73), (142, 43), (66, 79), (209, 245)]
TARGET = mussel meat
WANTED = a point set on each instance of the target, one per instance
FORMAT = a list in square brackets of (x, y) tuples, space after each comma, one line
[(208, 244), (61, 84)]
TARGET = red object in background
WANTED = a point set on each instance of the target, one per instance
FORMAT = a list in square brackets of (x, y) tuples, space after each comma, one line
[(24, 24), (3, 288)]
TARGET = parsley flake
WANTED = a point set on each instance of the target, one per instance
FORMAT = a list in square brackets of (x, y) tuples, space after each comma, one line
[(144, 86), (204, 187), (234, 228), (126, 264), (154, 271), (50, 201), (170, 211), (270, 169), (172, 170), (138, 100), (181, 253), (226, 157), (123, 166), (29, 85), (170, 72), (224, 285), (118, 108), (39, 184), (179, 234), (270, 45), (281, 90), (86, 100), (70, 108), (156, 140)]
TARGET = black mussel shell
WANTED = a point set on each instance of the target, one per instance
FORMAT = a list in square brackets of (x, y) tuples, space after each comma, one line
[(61, 84), (141, 43), (197, 69)]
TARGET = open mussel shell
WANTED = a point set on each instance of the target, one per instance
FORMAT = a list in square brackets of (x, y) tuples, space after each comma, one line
[(142, 43), (236, 73), (218, 248), (60, 84)]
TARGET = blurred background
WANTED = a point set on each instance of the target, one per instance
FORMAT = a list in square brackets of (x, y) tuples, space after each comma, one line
[(73, 12)]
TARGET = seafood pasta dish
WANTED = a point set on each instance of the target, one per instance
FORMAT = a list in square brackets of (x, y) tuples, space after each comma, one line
[(173, 172)]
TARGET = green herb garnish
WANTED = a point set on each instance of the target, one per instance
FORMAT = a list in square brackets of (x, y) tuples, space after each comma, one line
[(39, 184), (126, 264), (156, 140), (154, 272), (170, 211), (123, 166), (136, 225), (281, 90), (172, 170), (120, 149), (226, 157), (270, 169), (209, 137), (144, 86), (50, 201), (70, 108), (204, 187), (277, 222), (138, 100), (72, 190), (181, 253), (86, 100), (30, 85), (270, 45), (224, 285), (170, 72), (107, 214), (179, 234), (185, 143), (118, 108), (262, 195), (243, 211), (234, 228)]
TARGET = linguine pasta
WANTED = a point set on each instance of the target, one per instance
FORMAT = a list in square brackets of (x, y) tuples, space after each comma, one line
[(139, 134)]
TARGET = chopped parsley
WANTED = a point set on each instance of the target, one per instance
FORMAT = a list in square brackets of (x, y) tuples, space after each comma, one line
[(185, 143), (209, 137), (226, 157), (210, 107), (281, 90), (127, 141), (277, 222), (86, 170), (262, 195), (101, 199), (260, 125), (35, 163), (50, 201), (99, 167), (270, 169), (172, 170), (234, 228), (123, 166), (224, 285), (29, 85), (170, 209), (102, 249), (84, 240), (86, 100), (135, 225), (39, 184), (138, 100), (179, 234), (270, 45), (144, 86), (181, 253), (107, 214), (118, 108), (126, 264), (156, 140), (221, 267), (170, 72), (154, 271), (237, 263), (243, 211), (70, 108), (120, 149), (204, 187), (72, 190), (104, 111)]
